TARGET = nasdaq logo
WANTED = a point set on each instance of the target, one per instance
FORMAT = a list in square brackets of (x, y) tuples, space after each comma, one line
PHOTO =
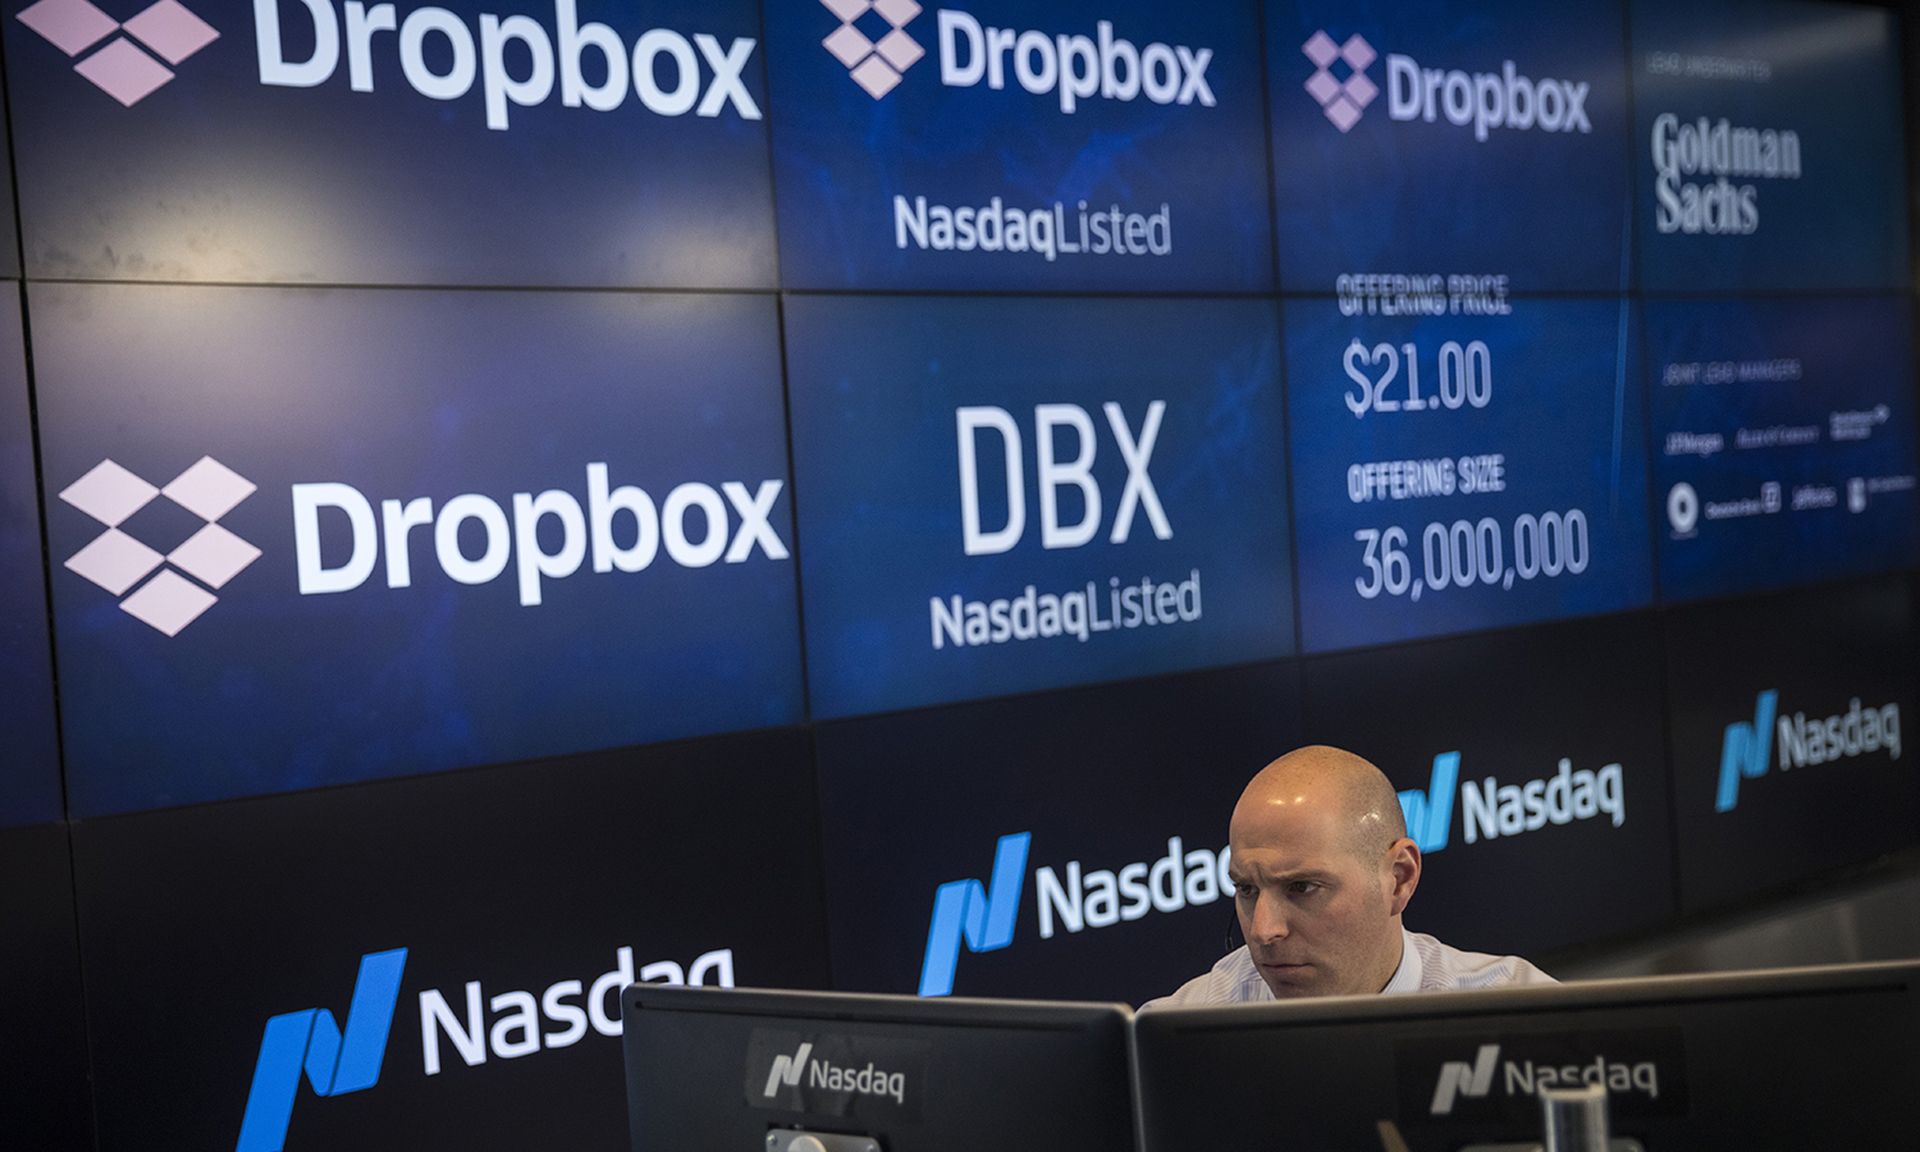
[(787, 1070), (335, 1061), (1632, 1086), (875, 65), (1746, 748), (1071, 898), (129, 68), (1458, 1078), (1429, 814), (1491, 810), (1484, 101), (440, 55), (965, 911), (116, 561)]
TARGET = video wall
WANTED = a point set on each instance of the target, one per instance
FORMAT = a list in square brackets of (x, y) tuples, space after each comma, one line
[(505, 500)]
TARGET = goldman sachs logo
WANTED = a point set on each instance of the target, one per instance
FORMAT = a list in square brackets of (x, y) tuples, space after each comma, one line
[(440, 55), (342, 536)]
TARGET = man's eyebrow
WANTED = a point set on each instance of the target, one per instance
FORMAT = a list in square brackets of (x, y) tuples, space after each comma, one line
[(1304, 872)]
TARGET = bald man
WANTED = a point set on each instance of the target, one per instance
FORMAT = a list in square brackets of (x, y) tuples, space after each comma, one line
[(1322, 869)]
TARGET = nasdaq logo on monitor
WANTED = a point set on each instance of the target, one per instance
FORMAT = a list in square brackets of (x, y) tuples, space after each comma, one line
[(486, 528), (1011, 144), (1075, 493), (1747, 749), (1070, 898), (1455, 1080)]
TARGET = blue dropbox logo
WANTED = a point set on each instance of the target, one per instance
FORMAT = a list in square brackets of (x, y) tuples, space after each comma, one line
[(1430, 814), (982, 917), (1747, 748), (335, 1061)]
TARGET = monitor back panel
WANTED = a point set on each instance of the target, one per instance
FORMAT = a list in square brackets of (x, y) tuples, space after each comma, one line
[(717, 1071), (1815, 1060)]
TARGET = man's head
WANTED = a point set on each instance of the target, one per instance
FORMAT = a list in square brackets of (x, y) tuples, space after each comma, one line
[(1322, 869)]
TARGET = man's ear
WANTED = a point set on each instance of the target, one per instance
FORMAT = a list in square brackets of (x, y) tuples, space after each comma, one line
[(1403, 874)]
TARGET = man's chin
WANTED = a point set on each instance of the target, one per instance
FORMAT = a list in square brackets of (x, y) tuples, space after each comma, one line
[(1293, 981)]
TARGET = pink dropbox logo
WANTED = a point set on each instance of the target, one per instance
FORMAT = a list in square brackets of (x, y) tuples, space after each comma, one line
[(127, 68), (1342, 101)]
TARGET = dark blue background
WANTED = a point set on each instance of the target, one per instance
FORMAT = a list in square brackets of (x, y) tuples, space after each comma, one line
[(404, 395), (1547, 208), (840, 156), (1836, 81), (874, 385), (1856, 354), (30, 766), (218, 177), (1566, 412)]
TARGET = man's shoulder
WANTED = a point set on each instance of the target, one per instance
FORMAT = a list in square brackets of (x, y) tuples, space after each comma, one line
[(1232, 980), (1446, 968)]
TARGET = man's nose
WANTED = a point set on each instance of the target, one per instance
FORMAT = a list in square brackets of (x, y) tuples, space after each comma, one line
[(1269, 919)]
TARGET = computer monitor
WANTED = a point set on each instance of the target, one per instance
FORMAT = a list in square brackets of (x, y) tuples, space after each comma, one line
[(1808, 1058), (739, 1070)]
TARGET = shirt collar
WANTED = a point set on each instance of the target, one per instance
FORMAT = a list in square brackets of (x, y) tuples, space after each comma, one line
[(1407, 977)]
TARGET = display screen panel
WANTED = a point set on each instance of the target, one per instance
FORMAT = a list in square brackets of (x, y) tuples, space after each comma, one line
[(1788, 753), (1532, 775), (1093, 819), (316, 536), (1003, 496), (1460, 149), (1457, 472), (1769, 148), (1783, 440), (1012, 144), (578, 143), (456, 944)]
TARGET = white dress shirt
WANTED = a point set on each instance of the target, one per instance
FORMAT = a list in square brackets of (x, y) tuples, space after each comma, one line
[(1426, 965)]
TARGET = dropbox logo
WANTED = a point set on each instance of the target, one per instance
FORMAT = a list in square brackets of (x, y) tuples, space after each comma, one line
[(875, 65), (982, 917), (127, 68), (1342, 100), (335, 1061), (115, 561), (1484, 101)]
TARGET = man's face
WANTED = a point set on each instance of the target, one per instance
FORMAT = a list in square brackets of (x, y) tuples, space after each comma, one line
[(1314, 906)]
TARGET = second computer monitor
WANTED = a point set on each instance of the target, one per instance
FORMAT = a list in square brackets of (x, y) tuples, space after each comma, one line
[(1811, 1058)]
